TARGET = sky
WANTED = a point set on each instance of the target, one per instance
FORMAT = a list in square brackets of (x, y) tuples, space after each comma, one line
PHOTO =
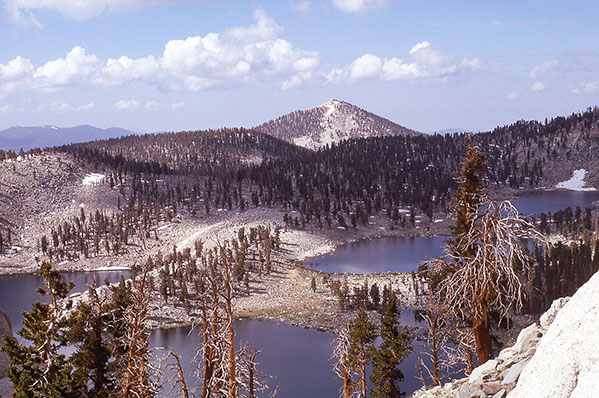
[(171, 65)]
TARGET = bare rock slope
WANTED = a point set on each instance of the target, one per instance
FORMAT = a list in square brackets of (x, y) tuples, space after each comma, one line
[(330, 123), (555, 358)]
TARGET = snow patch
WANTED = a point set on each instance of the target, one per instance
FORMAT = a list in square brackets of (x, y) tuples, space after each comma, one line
[(93, 179), (576, 182)]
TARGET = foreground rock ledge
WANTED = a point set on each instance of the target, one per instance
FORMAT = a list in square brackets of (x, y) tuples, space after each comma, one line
[(557, 358)]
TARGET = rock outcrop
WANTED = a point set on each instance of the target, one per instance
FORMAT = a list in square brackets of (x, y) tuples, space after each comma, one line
[(566, 362), (558, 357)]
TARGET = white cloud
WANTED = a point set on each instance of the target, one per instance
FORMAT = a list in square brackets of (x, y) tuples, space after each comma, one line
[(586, 88), (177, 105), (75, 69), (86, 107), (368, 66), (543, 68), (247, 55), (152, 106), (422, 62), (61, 106), (14, 75), (359, 6), (133, 104), (124, 69), (8, 108), (537, 86), (237, 56), (24, 11), (301, 5), (512, 96), (127, 105)]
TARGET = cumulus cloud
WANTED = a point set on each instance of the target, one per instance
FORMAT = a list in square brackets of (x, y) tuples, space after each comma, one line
[(243, 55), (8, 108), (543, 68), (14, 75), (301, 5), (177, 105), (358, 6), (512, 96), (538, 86), (127, 105), (586, 88), (75, 69), (238, 56), (61, 106), (247, 55), (152, 106), (24, 11), (134, 104), (422, 62)]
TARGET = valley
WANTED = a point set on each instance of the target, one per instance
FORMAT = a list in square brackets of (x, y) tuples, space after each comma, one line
[(172, 199)]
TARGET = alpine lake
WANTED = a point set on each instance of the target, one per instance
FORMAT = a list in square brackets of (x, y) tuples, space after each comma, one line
[(297, 361)]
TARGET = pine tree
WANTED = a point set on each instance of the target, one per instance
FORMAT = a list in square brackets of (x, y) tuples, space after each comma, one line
[(39, 369), (361, 338), (387, 357)]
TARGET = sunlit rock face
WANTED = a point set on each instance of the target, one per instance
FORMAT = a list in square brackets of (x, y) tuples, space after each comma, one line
[(566, 362), (555, 358)]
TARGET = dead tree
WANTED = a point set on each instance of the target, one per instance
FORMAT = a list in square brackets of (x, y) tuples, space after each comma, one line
[(139, 372), (343, 366)]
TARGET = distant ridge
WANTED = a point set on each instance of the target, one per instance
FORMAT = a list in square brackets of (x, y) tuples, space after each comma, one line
[(452, 130), (329, 123), (27, 138)]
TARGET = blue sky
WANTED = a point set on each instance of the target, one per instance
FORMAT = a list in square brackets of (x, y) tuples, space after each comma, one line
[(169, 65)]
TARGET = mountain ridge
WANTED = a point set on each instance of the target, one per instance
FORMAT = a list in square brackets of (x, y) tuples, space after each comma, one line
[(330, 123), (29, 137)]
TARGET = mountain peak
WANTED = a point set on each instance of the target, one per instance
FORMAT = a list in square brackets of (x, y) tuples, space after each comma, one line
[(330, 123)]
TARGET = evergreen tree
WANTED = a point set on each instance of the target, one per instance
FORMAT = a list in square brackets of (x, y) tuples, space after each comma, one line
[(38, 369), (395, 346), (361, 339)]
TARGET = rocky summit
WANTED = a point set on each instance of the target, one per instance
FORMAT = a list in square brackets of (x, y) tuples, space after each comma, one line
[(331, 123)]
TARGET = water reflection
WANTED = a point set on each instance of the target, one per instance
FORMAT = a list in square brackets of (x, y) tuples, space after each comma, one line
[(298, 359), (19, 292), (380, 255)]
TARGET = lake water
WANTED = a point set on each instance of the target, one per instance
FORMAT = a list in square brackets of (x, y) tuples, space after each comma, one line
[(296, 359), (18, 292), (379, 255), (535, 203), (404, 254)]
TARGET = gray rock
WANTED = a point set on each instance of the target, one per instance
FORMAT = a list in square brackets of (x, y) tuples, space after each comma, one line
[(500, 394), (548, 317), (528, 338), (511, 375), (491, 388), (5, 328), (483, 369), (566, 363), (465, 391)]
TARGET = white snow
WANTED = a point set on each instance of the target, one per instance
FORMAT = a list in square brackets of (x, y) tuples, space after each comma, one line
[(330, 107), (93, 178), (576, 182)]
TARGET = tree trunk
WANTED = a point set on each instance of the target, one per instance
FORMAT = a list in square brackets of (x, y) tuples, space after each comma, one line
[(347, 387), (484, 345), (363, 380)]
